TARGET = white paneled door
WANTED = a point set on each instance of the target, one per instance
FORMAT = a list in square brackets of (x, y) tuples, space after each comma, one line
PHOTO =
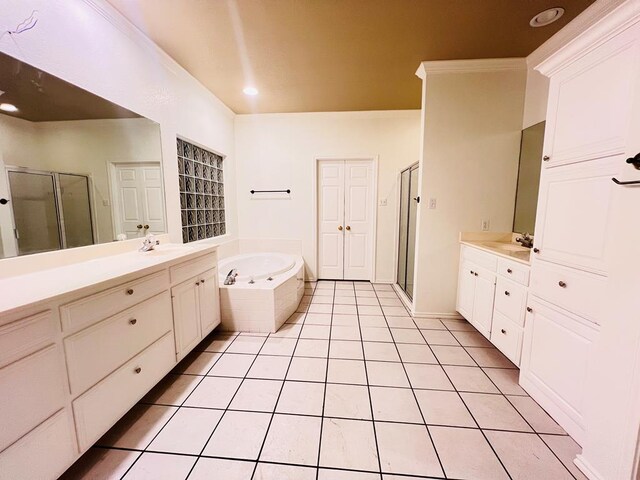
[(345, 219), (138, 199)]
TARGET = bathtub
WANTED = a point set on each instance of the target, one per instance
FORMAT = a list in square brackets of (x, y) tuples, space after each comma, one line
[(264, 305)]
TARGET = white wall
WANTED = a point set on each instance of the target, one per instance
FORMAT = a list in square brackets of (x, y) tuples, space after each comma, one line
[(87, 43), (535, 99), (471, 138), (276, 151)]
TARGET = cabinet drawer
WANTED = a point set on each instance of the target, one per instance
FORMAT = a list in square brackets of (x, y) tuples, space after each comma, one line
[(511, 300), (98, 350), (480, 258), (192, 268), (577, 291), (31, 390), (507, 337), (45, 453), (91, 309), (99, 408), (25, 336), (514, 271)]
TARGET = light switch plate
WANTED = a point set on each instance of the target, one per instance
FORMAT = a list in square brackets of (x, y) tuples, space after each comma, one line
[(485, 225), (383, 202), (432, 203)]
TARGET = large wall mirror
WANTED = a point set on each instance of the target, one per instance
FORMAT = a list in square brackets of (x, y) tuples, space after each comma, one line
[(524, 218), (75, 169)]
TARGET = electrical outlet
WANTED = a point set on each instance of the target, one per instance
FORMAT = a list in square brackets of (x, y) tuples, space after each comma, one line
[(383, 202), (485, 225), (432, 203)]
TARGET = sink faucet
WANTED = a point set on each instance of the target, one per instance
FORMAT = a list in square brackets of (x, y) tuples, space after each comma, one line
[(525, 240), (149, 243)]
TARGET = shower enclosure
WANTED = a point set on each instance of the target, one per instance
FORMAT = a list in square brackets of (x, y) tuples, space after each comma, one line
[(51, 210), (409, 200)]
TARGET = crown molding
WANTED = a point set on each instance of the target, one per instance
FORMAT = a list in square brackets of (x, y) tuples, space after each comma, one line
[(470, 66), (138, 37), (595, 25)]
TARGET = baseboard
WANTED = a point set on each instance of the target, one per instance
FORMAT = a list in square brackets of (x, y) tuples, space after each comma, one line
[(452, 316), (585, 467)]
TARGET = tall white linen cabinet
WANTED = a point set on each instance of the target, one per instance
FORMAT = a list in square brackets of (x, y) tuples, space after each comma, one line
[(581, 351)]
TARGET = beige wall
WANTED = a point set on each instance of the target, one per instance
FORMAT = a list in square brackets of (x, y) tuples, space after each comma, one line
[(472, 124), (276, 151)]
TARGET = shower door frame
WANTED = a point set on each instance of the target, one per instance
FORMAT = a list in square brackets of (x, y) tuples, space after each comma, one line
[(411, 167), (58, 203)]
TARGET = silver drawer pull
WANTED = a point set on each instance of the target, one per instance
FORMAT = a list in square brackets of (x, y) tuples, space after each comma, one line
[(130, 291), (506, 292), (138, 369), (133, 321), (562, 284), (503, 331)]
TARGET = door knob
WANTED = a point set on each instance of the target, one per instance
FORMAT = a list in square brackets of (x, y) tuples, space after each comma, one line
[(139, 226), (536, 250), (546, 158), (635, 161), (340, 227), (3, 201), (348, 227)]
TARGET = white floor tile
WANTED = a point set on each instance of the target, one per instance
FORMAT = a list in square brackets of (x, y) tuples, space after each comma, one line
[(440, 407), (470, 379), (269, 367), (292, 439), (232, 365), (246, 344), (345, 349), (406, 449), (348, 444), (411, 353), (386, 374), (394, 405), (495, 412), (257, 395), (172, 390), (347, 401), (278, 346), (346, 371), (267, 471), (376, 334), (213, 392), (138, 427), (209, 468), (158, 466), (339, 332), (427, 376), (238, 435), (385, 352), (302, 398), (312, 348), (308, 369), (187, 431)]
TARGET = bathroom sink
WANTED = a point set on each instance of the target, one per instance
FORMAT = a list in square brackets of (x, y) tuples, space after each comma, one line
[(167, 249), (508, 247)]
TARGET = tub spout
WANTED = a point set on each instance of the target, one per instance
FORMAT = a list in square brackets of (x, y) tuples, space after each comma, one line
[(231, 277)]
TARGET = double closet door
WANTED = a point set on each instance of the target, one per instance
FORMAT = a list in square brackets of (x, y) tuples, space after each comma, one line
[(345, 219)]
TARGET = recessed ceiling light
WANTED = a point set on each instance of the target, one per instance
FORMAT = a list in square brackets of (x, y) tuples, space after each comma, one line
[(548, 16), (253, 91), (7, 107)]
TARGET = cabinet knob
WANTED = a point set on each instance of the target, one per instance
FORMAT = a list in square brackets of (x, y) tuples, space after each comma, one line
[(506, 292), (536, 250), (475, 273), (348, 227), (546, 158), (562, 284), (137, 369), (146, 227), (340, 227), (509, 270), (202, 280), (197, 283), (139, 226), (133, 321), (130, 291), (503, 331), (529, 309)]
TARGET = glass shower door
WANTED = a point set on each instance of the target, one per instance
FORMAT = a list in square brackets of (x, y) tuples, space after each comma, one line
[(76, 210), (407, 234), (35, 213)]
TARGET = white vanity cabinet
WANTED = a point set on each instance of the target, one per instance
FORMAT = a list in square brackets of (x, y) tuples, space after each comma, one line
[(196, 304), (72, 365), (492, 295)]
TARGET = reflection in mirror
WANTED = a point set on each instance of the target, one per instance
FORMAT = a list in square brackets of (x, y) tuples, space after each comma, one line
[(75, 169), (524, 218)]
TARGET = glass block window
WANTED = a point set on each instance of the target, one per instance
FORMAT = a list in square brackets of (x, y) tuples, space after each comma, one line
[(201, 192)]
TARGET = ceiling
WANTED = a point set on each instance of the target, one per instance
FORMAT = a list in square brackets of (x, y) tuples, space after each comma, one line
[(334, 55), (41, 97)]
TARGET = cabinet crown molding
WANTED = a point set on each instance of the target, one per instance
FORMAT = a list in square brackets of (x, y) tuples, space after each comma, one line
[(470, 66), (602, 21)]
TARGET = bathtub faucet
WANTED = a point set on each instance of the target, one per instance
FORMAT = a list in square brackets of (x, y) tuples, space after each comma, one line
[(231, 277)]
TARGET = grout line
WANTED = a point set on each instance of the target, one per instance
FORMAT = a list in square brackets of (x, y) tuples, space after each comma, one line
[(366, 373), (412, 390)]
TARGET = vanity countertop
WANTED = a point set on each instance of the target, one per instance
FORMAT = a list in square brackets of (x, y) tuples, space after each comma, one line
[(45, 285), (501, 244)]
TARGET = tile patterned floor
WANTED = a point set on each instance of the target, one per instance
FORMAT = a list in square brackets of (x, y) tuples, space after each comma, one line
[(350, 388)]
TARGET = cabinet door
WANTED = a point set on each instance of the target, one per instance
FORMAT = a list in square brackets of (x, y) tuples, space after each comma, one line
[(483, 301), (555, 364), (209, 301), (589, 106), (466, 290), (186, 315), (574, 210)]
